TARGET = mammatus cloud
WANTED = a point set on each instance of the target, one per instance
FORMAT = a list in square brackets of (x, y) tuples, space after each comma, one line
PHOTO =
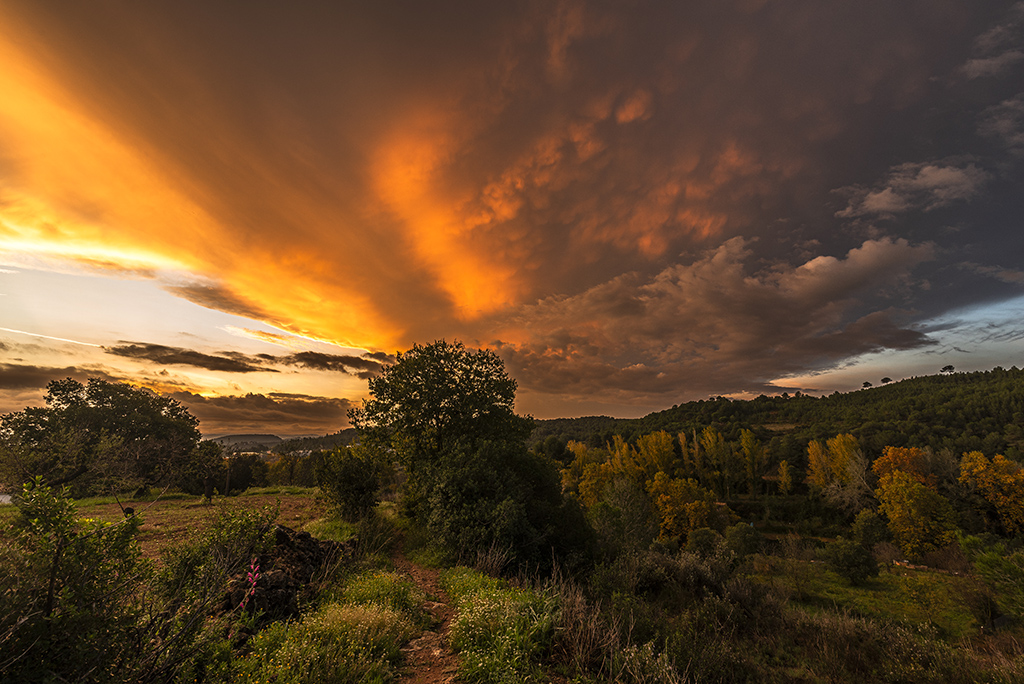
[(629, 198), (1005, 122), (916, 187), (718, 323), (1000, 48)]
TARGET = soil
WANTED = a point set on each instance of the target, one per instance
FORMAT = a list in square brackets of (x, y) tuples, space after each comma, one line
[(429, 659), (166, 522)]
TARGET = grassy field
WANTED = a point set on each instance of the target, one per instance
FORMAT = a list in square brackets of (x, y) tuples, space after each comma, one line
[(167, 517), (914, 597)]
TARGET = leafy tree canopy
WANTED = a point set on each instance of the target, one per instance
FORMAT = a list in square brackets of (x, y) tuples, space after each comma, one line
[(96, 435), (438, 395)]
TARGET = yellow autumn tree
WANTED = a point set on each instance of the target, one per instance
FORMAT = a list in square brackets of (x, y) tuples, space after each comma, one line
[(839, 468), (1000, 482), (683, 506), (909, 460), (920, 518)]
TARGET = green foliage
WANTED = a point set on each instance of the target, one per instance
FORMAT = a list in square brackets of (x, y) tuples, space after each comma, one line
[(98, 436), (338, 643), (67, 608), (387, 589), (869, 529), (850, 560), (436, 397), (502, 496), (244, 471), (203, 470), (1001, 570), (295, 468), (744, 539), (447, 414), (501, 632), (350, 479), (196, 570), (705, 542)]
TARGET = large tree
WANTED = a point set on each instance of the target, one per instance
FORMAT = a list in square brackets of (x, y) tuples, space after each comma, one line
[(439, 399), (446, 414), (98, 435)]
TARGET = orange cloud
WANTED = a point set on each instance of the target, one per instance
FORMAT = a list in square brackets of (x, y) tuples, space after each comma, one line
[(78, 188), (409, 178)]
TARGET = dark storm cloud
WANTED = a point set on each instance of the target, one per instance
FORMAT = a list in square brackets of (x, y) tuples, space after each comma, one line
[(916, 187), (218, 298), (720, 322), (361, 367), (235, 362), (277, 413), (228, 362), (24, 376)]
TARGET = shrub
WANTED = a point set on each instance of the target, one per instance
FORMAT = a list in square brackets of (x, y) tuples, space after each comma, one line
[(68, 592), (850, 560), (869, 529), (195, 571), (705, 542), (743, 539), (350, 478)]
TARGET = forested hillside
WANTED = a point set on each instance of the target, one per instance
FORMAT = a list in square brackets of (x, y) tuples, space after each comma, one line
[(982, 411)]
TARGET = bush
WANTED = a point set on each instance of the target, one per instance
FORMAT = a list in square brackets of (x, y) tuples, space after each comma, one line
[(68, 594), (869, 529), (743, 539), (500, 496), (705, 542), (851, 561), (196, 571), (350, 478)]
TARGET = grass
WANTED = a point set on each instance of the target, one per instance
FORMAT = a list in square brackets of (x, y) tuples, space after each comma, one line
[(912, 597), (502, 632), (338, 643), (333, 529)]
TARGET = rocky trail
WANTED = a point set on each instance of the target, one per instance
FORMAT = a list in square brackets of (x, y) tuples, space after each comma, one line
[(429, 658)]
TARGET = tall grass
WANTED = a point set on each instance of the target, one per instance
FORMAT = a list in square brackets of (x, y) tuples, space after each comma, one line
[(501, 632), (339, 643)]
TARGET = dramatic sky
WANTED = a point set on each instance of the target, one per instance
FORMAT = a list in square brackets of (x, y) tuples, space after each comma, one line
[(251, 206)]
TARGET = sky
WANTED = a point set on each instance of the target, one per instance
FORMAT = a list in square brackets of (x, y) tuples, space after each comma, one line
[(251, 207)]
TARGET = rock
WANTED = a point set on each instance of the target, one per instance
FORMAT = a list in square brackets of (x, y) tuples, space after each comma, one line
[(287, 573)]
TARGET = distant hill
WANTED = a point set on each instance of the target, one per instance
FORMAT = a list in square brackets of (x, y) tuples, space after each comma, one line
[(981, 411), (234, 440), (324, 443)]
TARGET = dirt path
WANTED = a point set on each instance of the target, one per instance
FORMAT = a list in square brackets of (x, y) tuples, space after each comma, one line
[(429, 658)]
